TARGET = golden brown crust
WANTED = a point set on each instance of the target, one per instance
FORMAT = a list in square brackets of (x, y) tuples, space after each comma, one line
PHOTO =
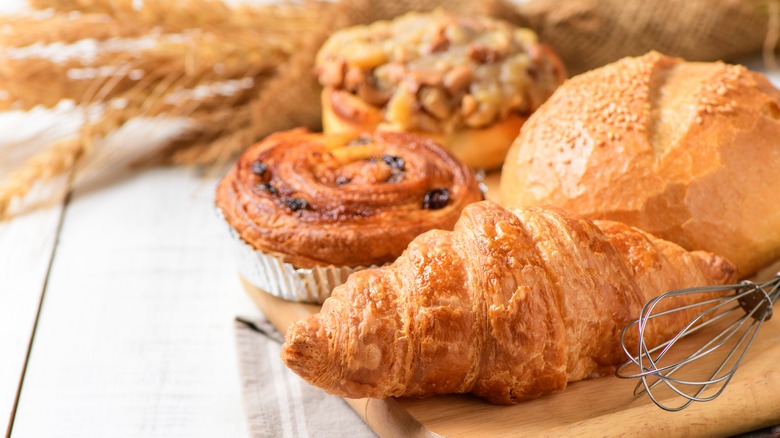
[(686, 151), (468, 82), (508, 306), (335, 199)]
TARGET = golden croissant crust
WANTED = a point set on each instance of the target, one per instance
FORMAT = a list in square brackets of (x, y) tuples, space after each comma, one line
[(510, 305), (345, 200)]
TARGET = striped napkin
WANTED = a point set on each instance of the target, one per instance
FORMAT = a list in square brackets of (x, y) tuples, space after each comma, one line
[(278, 403)]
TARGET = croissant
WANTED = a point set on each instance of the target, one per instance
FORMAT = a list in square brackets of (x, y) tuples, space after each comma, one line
[(510, 305)]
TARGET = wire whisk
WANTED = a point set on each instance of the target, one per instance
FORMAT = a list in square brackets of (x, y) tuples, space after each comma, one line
[(663, 364)]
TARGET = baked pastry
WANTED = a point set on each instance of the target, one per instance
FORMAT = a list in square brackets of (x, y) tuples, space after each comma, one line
[(312, 200), (467, 82), (686, 151), (508, 306)]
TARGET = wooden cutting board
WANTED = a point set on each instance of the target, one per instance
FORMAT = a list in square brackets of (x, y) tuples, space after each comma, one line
[(603, 407)]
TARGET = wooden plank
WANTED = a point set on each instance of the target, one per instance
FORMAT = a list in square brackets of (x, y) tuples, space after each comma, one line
[(26, 245), (135, 335)]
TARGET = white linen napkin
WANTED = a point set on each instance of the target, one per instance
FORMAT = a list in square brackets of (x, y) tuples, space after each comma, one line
[(277, 402)]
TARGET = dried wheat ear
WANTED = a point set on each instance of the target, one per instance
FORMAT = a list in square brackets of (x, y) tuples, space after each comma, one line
[(196, 59)]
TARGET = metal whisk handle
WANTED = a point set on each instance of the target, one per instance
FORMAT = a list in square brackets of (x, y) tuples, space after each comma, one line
[(757, 300)]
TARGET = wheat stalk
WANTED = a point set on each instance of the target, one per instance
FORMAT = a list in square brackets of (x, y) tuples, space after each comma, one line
[(198, 59)]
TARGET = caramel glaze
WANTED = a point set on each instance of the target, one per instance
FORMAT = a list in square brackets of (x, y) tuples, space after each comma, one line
[(344, 200)]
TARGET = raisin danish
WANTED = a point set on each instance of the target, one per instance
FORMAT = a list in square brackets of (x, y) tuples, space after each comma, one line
[(309, 208), (468, 82)]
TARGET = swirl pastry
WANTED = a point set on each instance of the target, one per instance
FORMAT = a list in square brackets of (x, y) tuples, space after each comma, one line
[(312, 200), (468, 82)]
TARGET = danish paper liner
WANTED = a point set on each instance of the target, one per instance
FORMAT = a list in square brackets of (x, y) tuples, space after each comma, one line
[(281, 279)]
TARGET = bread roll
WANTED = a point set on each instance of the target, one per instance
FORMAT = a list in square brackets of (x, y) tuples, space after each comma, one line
[(689, 152)]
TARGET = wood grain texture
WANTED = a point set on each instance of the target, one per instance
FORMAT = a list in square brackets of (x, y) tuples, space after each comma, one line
[(26, 246), (135, 335)]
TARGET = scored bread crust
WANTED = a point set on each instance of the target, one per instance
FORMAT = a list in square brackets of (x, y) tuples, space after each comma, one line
[(689, 152)]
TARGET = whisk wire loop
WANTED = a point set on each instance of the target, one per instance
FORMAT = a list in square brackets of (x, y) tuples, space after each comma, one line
[(755, 299)]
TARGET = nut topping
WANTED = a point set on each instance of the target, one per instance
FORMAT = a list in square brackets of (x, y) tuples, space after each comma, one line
[(438, 72), (458, 79), (482, 53), (435, 102)]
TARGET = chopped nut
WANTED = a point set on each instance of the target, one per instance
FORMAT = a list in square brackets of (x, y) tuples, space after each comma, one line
[(435, 102), (439, 42), (482, 53), (458, 79), (482, 116), (425, 122), (366, 56), (468, 105), (400, 53), (399, 108), (420, 78), (390, 73), (372, 95), (354, 78), (332, 73)]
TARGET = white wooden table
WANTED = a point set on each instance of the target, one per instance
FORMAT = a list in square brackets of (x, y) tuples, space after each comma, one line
[(116, 312)]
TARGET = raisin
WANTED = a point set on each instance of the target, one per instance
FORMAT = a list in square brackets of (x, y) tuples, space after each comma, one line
[(295, 204), (395, 177), (259, 168), (395, 163), (267, 188), (436, 199)]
